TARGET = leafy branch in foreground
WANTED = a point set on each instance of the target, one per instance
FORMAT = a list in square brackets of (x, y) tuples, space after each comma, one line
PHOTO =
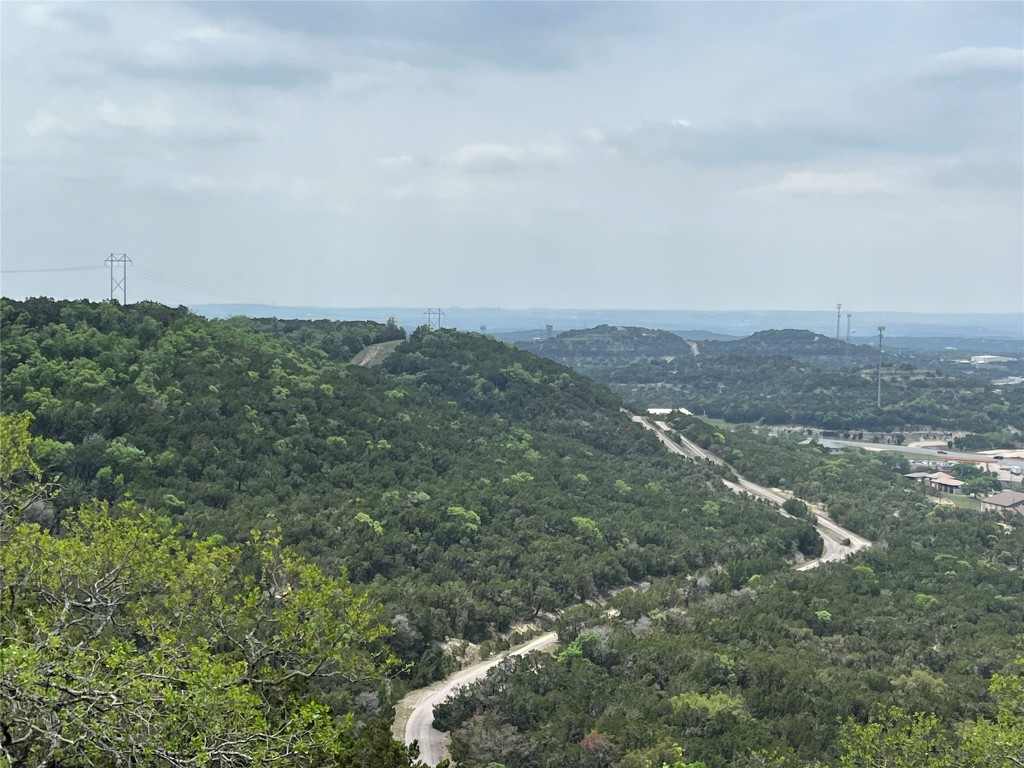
[(122, 644)]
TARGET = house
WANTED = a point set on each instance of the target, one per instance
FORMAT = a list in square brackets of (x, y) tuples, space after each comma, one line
[(940, 481), (1005, 502), (944, 483)]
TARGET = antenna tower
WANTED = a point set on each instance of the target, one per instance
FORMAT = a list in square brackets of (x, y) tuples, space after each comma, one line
[(118, 283), (880, 329), (431, 314)]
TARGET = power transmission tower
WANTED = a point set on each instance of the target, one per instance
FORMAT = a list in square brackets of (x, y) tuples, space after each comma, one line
[(431, 314), (118, 283), (880, 329)]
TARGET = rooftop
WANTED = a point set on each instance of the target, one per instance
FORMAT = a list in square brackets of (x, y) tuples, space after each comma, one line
[(1005, 499)]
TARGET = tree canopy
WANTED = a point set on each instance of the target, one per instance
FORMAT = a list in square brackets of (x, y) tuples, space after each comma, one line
[(124, 643)]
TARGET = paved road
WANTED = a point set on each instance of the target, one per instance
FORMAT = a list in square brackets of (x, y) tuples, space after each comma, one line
[(938, 453), (414, 715), (838, 542)]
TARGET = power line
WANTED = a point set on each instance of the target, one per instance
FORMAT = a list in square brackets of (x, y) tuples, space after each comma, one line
[(175, 282), (145, 274), (49, 269)]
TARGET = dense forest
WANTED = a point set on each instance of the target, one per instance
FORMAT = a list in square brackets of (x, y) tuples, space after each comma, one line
[(229, 517), (789, 377), (783, 669)]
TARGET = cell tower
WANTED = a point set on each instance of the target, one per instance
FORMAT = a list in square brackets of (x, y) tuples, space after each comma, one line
[(839, 310), (880, 329), (118, 283), (432, 323)]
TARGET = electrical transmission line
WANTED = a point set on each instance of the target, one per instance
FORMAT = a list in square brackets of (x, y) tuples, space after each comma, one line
[(48, 269), (119, 284)]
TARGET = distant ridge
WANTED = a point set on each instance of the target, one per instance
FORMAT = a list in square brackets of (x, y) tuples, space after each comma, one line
[(731, 323)]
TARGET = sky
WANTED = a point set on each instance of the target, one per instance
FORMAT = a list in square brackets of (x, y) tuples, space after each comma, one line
[(593, 155)]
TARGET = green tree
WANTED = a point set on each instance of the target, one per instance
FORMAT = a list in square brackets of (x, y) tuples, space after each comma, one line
[(121, 644), (999, 743), (897, 740)]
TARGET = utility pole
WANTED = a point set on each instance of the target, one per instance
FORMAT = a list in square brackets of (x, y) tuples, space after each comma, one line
[(880, 329), (118, 284), (839, 314), (847, 337)]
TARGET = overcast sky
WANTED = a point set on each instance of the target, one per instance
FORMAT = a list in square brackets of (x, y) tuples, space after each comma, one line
[(683, 155)]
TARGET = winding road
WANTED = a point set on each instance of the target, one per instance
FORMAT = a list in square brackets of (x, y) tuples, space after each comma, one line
[(414, 714), (838, 542)]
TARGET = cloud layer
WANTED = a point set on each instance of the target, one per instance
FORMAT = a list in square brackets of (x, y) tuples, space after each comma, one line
[(521, 154)]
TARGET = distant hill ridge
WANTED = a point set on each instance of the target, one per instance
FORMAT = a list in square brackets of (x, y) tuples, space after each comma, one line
[(788, 342), (616, 345), (734, 323)]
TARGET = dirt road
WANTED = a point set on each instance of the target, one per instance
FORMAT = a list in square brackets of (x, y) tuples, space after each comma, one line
[(375, 354)]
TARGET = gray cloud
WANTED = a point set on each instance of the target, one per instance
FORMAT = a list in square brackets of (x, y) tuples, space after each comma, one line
[(84, 18), (228, 75), (737, 143), (995, 60), (516, 35), (495, 153)]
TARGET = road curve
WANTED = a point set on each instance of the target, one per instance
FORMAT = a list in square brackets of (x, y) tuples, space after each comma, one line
[(414, 715), (838, 542)]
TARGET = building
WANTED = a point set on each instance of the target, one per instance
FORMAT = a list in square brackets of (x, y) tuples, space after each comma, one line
[(831, 447), (1006, 502), (940, 481)]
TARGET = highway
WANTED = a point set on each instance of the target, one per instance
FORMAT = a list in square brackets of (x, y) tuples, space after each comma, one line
[(940, 454)]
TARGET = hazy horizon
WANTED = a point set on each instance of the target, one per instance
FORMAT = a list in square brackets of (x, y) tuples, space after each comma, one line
[(863, 324)]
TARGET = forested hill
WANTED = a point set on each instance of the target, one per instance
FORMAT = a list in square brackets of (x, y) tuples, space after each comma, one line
[(470, 483), (609, 345), (799, 344), (790, 377)]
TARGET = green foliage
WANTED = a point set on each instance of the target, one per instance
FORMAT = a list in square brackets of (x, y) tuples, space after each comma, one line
[(466, 485), (798, 508), (226, 426), (897, 740), (759, 667), (790, 377), (122, 643)]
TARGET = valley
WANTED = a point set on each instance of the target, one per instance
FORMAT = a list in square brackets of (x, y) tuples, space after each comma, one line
[(726, 590)]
